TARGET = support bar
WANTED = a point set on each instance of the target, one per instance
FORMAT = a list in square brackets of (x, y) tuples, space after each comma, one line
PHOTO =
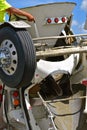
[(58, 52), (58, 37)]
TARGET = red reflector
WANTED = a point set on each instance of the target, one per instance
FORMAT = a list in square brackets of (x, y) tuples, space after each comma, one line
[(84, 82), (49, 20), (1, 87), (15, 93), (56, 20), (63, 19)]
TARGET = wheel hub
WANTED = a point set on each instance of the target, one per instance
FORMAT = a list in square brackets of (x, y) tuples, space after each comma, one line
[(8, 57)]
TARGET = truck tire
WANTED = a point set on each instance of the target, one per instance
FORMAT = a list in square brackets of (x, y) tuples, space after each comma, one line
[(23, 60)]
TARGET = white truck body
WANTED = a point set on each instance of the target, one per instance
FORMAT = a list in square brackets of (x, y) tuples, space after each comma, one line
[(54, 99)]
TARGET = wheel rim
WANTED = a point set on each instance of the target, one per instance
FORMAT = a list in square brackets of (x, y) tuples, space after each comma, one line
[(11, 68)]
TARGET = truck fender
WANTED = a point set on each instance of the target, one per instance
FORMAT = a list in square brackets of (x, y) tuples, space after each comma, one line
[(15, 24)]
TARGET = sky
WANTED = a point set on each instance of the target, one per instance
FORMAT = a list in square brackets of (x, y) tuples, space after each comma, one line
[(79, 12)]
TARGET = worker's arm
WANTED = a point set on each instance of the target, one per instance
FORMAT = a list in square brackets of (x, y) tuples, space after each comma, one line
[(13, 10)]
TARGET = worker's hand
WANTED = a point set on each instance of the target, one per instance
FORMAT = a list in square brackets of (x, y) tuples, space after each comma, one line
[(30, 18), (16, 11)]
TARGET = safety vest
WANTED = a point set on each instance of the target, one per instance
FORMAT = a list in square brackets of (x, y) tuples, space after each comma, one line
[(3, 6)]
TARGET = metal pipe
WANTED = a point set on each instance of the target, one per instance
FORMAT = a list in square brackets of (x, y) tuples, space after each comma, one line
[(58, 37), (58, 52)]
